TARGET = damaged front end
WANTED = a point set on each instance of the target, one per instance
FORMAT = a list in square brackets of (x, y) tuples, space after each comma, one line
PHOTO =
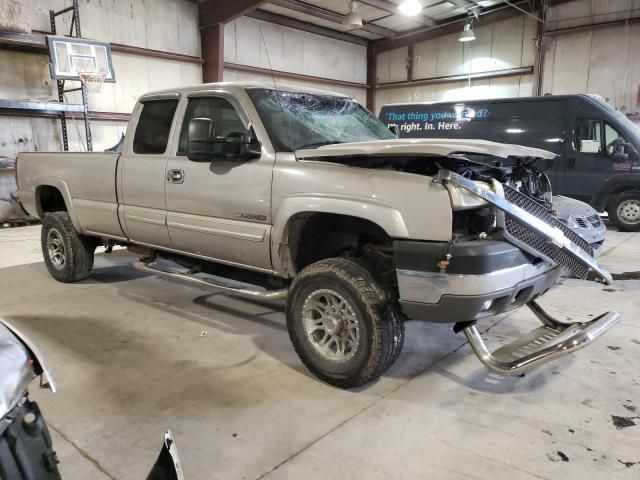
[(552, 250)]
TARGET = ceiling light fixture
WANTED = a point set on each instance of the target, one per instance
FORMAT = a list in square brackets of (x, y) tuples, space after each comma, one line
[(410, 8), (467, 34), (352, 19)]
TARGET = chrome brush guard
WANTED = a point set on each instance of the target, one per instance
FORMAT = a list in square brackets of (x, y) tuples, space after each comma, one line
[(553, 340), (530, 227)]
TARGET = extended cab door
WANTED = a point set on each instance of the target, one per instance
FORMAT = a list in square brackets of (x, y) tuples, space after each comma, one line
[(142, 172), (220, 209)]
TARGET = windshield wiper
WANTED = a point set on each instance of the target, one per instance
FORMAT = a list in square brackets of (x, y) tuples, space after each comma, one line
[(319, 144)]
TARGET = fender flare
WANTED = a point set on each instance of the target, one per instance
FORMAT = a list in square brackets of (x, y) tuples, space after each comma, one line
[(62, 187), (387, 218), (631, 181)]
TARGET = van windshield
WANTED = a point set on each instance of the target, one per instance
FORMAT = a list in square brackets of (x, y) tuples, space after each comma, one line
[(296, 120)]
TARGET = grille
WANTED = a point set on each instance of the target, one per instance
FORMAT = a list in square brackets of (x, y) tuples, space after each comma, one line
[(594, 220), (520, 233), (581, 221)]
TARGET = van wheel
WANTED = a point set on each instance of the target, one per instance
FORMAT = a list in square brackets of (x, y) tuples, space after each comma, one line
[(341, 323), (624, 211), (68, 255)]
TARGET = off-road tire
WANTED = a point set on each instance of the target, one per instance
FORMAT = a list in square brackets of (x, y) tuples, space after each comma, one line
[(78, 250), (614, 205), (380, 325)]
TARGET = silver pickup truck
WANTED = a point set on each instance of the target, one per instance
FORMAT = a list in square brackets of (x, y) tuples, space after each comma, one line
[(277, 193)]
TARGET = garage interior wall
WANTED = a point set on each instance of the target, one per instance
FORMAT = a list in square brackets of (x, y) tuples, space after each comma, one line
[(602, 61), (575, 62), (498, 46), (294, 51), (173, 27)]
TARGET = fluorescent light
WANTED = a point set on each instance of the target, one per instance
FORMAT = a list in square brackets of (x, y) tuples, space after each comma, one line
[(410, 8), (515, 130), (467, 33)]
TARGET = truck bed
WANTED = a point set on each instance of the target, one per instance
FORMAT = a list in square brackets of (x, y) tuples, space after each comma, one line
[(87, 182)]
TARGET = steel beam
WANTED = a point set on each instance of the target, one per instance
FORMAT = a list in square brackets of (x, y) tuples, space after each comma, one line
[(392, 8), (305, 26), (329, 15), (446, 27), (215, 12), (372, 77)]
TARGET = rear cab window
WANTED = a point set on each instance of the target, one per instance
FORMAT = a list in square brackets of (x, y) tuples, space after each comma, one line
[(154, 125)]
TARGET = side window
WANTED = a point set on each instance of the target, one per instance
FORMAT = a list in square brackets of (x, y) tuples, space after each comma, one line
[(227, 122), (154, 125), (612, 139), (588, 136)]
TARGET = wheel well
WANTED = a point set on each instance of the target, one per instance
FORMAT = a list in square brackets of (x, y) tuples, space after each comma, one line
[(50, 199), (316, 236), (618, 190)]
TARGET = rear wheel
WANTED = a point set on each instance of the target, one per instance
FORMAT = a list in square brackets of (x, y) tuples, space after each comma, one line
[(68, 255), (341, 323), (624, 211)]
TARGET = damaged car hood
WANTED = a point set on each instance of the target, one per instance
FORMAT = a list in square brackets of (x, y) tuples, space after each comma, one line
[(424, 146)]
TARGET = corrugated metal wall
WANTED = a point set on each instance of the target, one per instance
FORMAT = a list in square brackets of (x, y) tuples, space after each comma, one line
[(603, 61), (294, 51), (498, 46)]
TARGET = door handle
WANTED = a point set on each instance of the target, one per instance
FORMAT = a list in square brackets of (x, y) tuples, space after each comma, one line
[(571, 162), (175, 176)]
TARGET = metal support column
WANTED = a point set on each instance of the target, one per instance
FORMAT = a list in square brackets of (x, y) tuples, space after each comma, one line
[(75, 26)]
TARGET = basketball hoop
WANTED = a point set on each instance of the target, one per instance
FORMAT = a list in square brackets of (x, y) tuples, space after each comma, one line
[(92, 81)]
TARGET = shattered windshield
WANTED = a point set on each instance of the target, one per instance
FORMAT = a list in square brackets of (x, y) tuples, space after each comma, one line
[(301, 120)]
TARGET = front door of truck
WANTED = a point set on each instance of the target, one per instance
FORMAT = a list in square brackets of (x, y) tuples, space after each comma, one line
[(142, 173), (590, 158), (220, 209)]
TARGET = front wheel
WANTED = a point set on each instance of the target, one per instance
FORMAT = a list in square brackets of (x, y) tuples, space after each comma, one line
[(341, 323), (68, 255), (624, 211)]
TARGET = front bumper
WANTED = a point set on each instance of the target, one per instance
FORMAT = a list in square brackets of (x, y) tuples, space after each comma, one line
[(465, 294)]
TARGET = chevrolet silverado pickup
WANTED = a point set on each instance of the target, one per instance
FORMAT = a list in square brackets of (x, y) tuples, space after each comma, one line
[(305, 196)]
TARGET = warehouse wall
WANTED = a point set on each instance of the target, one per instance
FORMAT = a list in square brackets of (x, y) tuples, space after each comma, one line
[(498, 46), (602, 61), (294, 51), (165, 25)]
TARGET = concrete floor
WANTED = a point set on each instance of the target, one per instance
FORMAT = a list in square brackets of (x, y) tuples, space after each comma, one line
[(135, 355)]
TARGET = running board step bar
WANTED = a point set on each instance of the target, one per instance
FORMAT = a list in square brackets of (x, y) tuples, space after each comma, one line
[(553, 340), (228, 286)]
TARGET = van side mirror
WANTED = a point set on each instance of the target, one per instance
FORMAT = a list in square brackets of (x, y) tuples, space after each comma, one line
[(200, 139), (619, 149), (394, 129)]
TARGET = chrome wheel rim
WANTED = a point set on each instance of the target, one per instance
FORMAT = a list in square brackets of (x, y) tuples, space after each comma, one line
[(331, 325), (55, 248), (629, 211)]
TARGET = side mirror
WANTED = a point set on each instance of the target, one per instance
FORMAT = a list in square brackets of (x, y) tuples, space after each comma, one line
[(619, 149), (394, 129), (200, 139), (243, 145), (251, 147)]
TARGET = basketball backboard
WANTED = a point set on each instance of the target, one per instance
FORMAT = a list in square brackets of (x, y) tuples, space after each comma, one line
[(70, 56)]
